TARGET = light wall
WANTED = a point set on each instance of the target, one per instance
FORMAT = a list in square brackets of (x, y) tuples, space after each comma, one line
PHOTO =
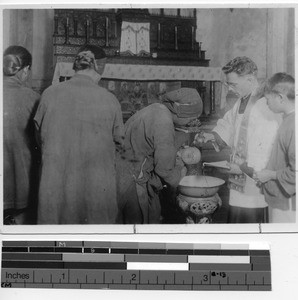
[(281, 41), (264, 35), (32, 29)]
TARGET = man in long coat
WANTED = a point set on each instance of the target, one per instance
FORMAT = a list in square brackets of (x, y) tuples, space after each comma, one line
[(80, 127)]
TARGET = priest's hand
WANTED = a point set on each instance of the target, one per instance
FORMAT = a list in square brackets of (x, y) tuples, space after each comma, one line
[(234, 169), (265, 175), (203, 137)]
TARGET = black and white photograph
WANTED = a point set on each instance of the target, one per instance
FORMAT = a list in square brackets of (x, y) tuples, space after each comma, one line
[(148, 149), (149, 115)]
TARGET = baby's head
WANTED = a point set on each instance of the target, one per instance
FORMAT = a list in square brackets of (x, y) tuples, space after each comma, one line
[(280, 92)]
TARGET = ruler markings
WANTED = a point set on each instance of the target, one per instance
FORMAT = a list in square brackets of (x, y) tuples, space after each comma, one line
[(224, 271), (57, 275)]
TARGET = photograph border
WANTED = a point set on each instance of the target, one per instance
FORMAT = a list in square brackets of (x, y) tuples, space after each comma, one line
[(146, 229)]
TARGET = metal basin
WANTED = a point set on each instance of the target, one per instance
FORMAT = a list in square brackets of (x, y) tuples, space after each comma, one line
[(200, 186)]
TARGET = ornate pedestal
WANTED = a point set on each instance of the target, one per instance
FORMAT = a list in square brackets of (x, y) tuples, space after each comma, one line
[(198, 210)]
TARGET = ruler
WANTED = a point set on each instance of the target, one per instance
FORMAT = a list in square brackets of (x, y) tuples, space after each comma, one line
[(134, 266)]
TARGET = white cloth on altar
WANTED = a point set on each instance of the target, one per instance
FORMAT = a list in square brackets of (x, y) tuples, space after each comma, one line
[(135, 38), (153, 73)]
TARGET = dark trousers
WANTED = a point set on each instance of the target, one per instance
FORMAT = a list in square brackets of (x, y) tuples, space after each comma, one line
[(25, 216), (247, 215), (129, 208)]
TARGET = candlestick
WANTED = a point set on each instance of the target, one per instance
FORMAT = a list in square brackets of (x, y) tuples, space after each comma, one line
[(212, 96), (75, 27), (107, 31), (87, 31), (67, 31), (176, 38), (199, 50), (115, 24), (192, 37), (158, 35)]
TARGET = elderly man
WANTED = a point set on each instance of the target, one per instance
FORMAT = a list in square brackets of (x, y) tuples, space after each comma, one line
[(80, 126), (149, 160), (249, 128)]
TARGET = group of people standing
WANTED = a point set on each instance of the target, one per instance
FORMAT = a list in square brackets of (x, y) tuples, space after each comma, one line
[(260, 130), (92, 169), (69, 159)]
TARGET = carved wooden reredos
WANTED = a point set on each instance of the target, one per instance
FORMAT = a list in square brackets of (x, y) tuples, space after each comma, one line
[(171, 41), (171, 37)]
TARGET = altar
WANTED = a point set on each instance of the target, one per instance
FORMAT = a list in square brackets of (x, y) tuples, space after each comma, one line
[(167, 55)]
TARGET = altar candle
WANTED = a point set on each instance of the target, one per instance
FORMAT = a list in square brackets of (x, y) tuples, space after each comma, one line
[(107, 31), (158, 35), (87, 31), (67, 31), (192, 36), (176, 38), (115, 29)]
